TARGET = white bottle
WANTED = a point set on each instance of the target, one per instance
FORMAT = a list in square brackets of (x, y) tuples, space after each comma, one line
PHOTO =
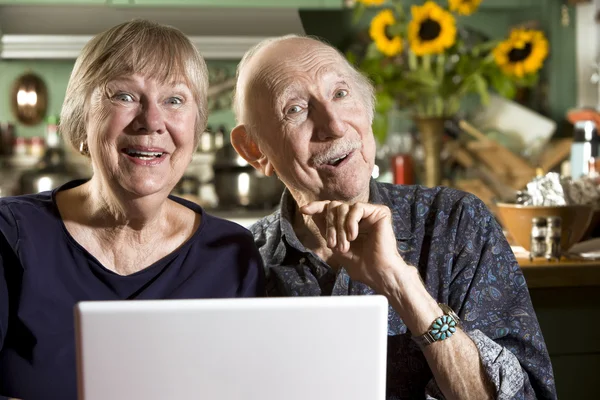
[(584, 147)]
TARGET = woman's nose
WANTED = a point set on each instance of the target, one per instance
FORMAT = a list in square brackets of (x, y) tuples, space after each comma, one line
[(150, 119)]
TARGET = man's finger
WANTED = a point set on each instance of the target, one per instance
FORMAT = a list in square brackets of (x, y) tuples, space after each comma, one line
[(355, 215), (330, 230), (341, 212), (314, 207)]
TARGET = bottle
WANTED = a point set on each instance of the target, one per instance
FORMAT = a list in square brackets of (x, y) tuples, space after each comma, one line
[(553, 236), (52, 137), (585, 146), (219, 138), (20, 146), (538, 237), (37, 147), (402, 168), (206, 144)]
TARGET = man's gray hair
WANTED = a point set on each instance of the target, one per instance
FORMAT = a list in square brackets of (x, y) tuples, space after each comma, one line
[(240, 105)]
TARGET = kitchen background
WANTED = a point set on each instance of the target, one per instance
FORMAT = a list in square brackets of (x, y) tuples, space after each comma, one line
[(44, 36)]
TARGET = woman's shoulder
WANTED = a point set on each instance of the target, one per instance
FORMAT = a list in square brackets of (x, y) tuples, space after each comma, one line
[(25, 204), (25, 213)]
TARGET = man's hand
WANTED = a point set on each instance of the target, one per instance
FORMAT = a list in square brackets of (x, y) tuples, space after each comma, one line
[(361, 235)]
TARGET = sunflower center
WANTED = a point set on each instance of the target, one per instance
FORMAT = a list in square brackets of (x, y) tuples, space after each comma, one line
[(516, 55), (388, 34), (429, 30)]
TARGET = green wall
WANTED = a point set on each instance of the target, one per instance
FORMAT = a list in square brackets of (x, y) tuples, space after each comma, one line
[(55, 74)]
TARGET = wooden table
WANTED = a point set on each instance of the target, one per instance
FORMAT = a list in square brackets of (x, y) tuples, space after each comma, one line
[(541, 273)]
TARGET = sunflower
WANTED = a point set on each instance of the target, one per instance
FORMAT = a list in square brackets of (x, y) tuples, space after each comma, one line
[(431, 30), (464, 7), (370, 3), (388, 45), (522, 53)]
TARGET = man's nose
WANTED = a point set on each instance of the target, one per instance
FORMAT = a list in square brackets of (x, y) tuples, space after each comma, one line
[(150, 119), (330, 123)]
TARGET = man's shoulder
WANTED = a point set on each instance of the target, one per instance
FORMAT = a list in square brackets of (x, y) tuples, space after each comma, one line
[(440, 198), (265, 227)]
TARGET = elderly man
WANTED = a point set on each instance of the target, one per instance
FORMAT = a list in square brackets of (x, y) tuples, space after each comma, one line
[(305, 114)]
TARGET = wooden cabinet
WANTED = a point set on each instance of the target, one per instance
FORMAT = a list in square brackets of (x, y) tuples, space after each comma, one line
[(313, 4), (54, 2), (307, 4)]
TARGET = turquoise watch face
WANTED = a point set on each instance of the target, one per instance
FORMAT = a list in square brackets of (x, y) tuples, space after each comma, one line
[(443, 327)]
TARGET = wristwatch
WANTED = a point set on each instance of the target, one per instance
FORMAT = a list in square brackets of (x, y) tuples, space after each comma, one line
[(442, 328)]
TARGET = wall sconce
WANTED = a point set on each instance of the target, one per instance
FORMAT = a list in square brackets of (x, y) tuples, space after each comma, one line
[(29, 99)]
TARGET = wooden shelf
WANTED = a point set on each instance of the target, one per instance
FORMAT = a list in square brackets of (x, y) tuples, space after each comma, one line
[(561, 273)]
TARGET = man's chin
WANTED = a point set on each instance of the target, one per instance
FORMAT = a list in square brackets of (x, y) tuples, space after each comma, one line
[(349, 193)]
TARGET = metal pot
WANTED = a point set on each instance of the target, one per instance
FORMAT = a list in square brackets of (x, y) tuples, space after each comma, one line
[(239, 184), (50, 172)]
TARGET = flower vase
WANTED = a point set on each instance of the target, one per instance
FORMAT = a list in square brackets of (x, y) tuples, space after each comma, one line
[(431, 133)]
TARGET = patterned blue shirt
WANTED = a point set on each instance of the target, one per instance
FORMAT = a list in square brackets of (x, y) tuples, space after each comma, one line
[(465, 262)]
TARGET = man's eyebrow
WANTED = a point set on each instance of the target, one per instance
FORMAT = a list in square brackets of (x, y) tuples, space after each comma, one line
[(288, 91)]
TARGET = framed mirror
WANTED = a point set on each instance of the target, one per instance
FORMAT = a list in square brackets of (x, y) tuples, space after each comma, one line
[(29, 99)]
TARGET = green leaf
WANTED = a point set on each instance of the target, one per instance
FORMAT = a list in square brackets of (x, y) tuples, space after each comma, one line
[(380, 127), (384, 102), (351, 57), (373, 52), (358, 12), (421, 77), (503, 85), (481, 87)]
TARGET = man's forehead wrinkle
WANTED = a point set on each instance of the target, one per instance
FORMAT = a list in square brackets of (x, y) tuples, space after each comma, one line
[(280, 68)]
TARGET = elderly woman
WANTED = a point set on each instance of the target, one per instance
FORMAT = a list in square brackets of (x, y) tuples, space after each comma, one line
[(135, 105)]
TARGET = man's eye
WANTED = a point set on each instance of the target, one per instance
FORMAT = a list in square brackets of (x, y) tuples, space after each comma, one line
[(341, 93), (294, 110), (123, 97)]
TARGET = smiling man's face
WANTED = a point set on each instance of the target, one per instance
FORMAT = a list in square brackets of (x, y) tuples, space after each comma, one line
[(313, 123)]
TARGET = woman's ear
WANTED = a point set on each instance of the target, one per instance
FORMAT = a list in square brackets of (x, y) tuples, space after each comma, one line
[(247, 147)]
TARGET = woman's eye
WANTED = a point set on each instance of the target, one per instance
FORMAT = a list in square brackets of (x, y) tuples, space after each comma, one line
[(341, 93), (124, 97), (294, 110), (175, 100)]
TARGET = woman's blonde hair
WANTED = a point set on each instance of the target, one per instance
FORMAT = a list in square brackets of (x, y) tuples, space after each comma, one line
[(136, 47)]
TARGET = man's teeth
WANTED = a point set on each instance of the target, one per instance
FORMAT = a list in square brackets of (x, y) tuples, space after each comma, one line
[(337, 160), (144, 155)]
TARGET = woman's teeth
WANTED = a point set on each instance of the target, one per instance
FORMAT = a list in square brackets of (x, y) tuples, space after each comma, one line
[(144, 155)]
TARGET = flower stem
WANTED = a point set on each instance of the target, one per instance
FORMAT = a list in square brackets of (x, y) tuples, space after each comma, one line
[(426, 62), (412, 61)]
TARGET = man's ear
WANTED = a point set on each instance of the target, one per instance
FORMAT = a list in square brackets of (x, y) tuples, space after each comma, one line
[(247, 147)]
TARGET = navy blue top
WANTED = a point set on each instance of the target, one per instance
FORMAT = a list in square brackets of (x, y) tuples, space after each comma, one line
[(44, 272)]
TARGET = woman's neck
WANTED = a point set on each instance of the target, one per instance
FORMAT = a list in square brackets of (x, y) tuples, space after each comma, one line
[(112, 209)]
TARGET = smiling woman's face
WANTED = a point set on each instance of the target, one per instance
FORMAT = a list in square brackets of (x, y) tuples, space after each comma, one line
[(141, 134), (315, 128)]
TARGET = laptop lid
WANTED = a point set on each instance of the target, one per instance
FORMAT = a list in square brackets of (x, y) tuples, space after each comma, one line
[(297, 348)]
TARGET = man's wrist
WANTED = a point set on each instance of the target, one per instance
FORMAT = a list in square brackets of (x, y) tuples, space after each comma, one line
[(408, 295)]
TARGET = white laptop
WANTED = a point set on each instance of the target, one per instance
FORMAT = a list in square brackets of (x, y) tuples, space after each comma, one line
[(298, 348)]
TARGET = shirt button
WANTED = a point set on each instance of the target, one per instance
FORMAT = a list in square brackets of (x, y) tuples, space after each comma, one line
[(302, 260)]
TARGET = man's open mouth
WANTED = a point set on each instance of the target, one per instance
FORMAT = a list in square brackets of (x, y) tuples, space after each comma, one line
[(337, 161)]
